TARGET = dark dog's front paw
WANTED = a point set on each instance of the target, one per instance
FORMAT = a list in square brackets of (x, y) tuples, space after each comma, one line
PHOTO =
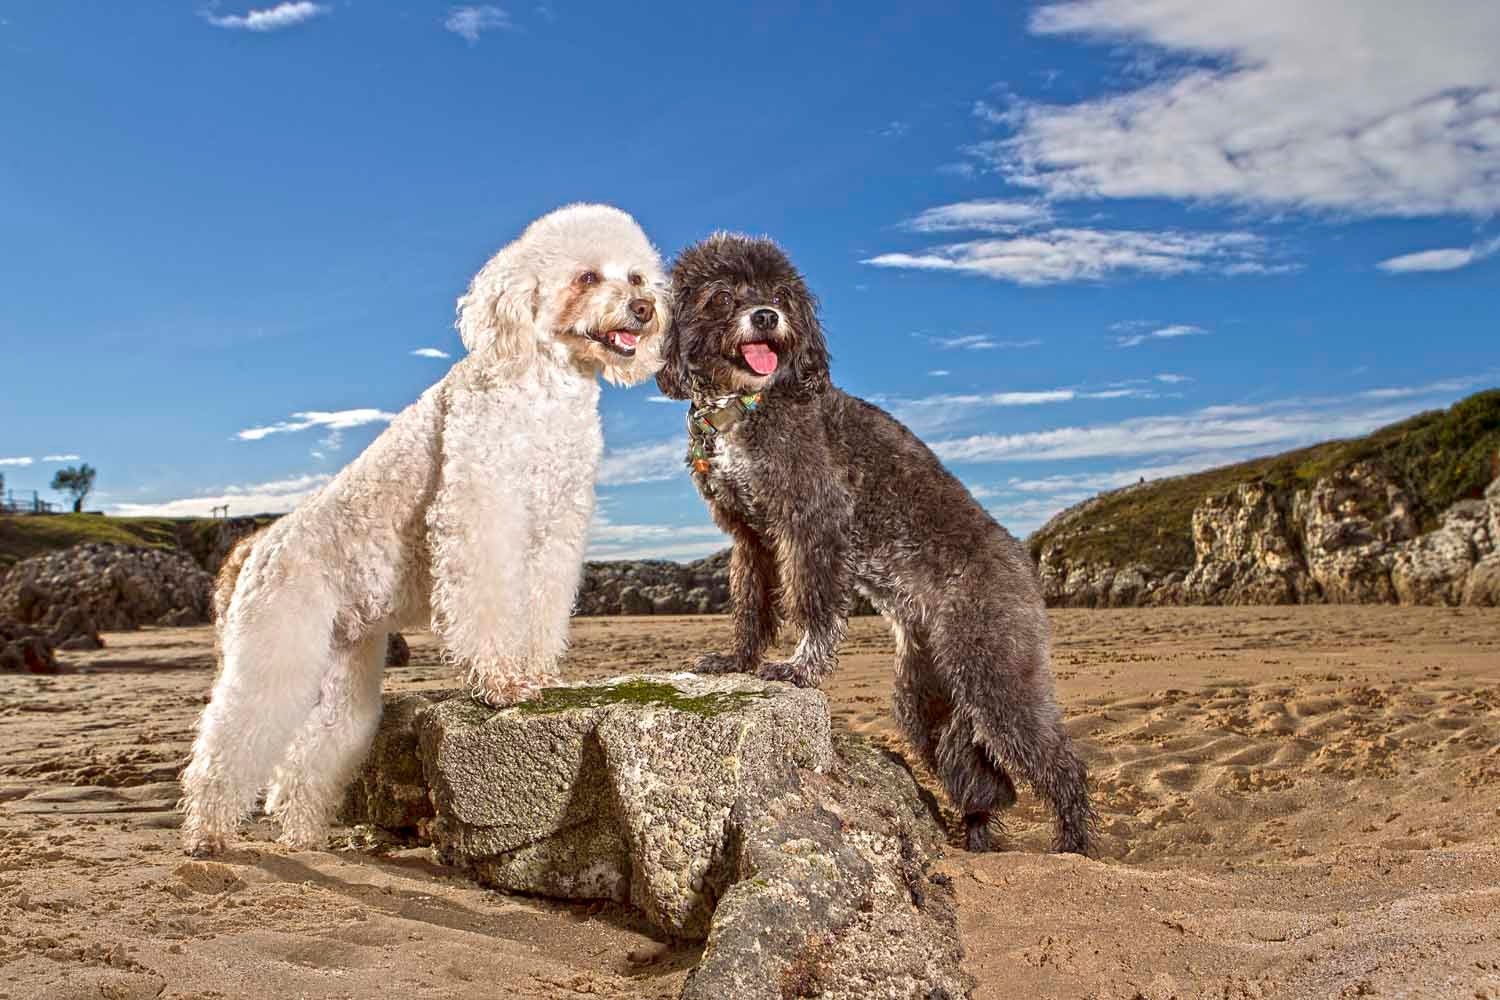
[(790, 671), (718, 663)]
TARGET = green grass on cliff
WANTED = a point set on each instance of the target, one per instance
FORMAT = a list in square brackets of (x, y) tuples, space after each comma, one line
[(34, 535), (24, 537), (1441, 457)]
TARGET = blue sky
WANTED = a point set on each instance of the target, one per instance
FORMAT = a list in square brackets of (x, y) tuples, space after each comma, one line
[(1070, 244)]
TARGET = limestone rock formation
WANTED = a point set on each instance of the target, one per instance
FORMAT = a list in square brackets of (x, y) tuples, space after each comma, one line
[(1352, 537), (719, 806)]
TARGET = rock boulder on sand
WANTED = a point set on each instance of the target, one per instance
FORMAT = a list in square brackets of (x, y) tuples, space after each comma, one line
[(117, 587), (721, 807)]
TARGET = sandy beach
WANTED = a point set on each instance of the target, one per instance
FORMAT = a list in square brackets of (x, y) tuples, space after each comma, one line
[(1295, 802)]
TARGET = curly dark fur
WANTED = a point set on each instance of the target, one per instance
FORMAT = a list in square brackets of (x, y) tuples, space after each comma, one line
[(822, 493)]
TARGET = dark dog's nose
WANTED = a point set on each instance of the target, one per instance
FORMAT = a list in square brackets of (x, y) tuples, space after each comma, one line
[(642, 310), (764, 319)]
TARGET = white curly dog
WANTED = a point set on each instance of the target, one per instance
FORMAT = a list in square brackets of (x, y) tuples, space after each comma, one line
[(469, 514)]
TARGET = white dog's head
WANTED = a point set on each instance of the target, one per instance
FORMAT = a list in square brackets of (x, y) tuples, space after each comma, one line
[(582, 286)]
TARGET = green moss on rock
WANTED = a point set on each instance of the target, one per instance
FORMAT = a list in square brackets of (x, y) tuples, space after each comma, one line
[(636, 692)]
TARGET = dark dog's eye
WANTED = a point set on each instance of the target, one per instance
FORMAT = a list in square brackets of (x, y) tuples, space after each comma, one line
[(589, 278), (637, 280), (776, 299), (722, 300)]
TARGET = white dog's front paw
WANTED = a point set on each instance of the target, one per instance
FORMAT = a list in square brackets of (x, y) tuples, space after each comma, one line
[(503, 691)]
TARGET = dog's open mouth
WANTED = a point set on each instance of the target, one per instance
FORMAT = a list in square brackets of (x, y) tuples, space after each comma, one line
[(621, 341), (760, 356)]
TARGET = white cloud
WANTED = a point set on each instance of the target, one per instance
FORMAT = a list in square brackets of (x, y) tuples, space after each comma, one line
[(1164, 333), (893, 129), (1345, 106), (429, 352), (471, 22), (22, 462), (1449, 259), (1171, 379), (647, 463), (662, 399), (62, 458), (986, 215), (608, 540), (283, 15), (939, 373), (977, 342), (275, 497), (1212, 429), (337, 420), (1055, 255), (1450, 385), (929, 413)]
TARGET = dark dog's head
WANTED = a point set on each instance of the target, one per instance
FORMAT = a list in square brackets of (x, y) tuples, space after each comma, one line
[(743, 321)]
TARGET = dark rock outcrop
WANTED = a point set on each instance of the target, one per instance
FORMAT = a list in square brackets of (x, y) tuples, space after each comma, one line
[(114, 587)]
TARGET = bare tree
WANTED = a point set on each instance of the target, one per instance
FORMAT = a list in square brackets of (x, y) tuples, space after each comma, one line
[(77, 481)]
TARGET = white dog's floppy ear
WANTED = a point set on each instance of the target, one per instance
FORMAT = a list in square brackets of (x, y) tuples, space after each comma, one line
[(498, 313)]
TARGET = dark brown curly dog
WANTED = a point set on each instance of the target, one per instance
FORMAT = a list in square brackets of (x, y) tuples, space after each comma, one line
[(823, 492)]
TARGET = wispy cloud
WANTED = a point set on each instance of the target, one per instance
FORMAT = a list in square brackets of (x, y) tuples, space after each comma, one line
[(283, 15), (274, 497), (987, 215), (663, 399), (608, 540), (1168, 378), (647, 463), (429, 352), (1172, 332), (338, 420), (1342, 106), (930, 413), (471, 22), (22, 462), (893, 129), (61, 458), (977, 342), (1266, 427), (1449, 259), (939, 373), (1058, 255)]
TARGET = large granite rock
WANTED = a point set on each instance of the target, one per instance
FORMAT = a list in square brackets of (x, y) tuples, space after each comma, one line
[(719, 806)]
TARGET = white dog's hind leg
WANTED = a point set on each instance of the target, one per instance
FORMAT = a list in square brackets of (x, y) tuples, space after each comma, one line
[(276, 645), (331, 746)]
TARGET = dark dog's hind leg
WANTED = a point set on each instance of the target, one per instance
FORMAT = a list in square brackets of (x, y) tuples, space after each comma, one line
[(1005, 715), (975, 782), (1043, 754)]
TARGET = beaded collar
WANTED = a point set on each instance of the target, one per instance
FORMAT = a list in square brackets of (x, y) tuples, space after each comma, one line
[(707, 422)]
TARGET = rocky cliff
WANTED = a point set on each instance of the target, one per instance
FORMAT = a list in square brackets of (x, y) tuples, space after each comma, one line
[(1409, 514)]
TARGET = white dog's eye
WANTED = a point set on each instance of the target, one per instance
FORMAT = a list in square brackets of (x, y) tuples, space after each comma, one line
[(637, 280), (588, 278)]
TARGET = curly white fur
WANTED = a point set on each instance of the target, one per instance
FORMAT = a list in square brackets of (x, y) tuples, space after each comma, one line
[(469, 513)]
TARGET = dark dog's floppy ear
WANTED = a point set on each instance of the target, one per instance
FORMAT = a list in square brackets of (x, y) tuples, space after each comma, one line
[(809, 368), (672, 379)]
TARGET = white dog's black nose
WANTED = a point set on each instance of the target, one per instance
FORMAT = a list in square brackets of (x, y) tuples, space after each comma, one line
[(642, 310), (764, 319)]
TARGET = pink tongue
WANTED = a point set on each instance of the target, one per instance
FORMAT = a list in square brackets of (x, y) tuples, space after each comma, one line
[(626, 337), (759, 357)]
